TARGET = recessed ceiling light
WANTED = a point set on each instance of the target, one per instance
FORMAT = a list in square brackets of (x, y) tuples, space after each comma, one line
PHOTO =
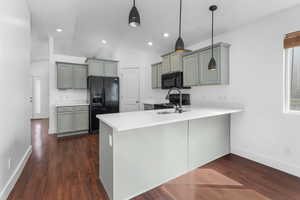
[(150, 43), (166, 35), (104, 41), (59, 30)]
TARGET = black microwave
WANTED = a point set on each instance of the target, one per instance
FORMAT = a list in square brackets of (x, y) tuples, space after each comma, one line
[(172, 80)]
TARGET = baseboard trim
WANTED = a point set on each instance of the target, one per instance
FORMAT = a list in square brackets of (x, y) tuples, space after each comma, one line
[(276, 164), (15, 175)]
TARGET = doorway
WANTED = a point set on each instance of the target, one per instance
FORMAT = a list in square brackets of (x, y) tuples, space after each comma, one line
[(130, 89)]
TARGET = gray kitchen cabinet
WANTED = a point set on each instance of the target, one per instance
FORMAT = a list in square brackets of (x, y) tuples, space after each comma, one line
[(65, 122), (71, 76), (72, 118), (166, 64), (110, 68), (191, 70), (221, 74), (64, 76), (102, 67), (159, 73), (79, 77), (81, 120), (154, 74), (176, 62), (96, 68)]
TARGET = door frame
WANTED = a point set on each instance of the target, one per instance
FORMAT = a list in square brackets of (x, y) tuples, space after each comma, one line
[(121, 84)]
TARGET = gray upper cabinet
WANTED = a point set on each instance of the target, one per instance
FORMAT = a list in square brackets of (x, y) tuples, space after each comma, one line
[(166, 64), (154, 76), (64, 76), (71, 76), (159, 73), (110, 68), (176, 62), (101, 67), (80, 77), (191, 70), (221, 74), (195, 66), (95, 68)]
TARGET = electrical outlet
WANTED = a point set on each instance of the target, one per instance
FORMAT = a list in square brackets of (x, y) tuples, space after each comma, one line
[(9, 163)]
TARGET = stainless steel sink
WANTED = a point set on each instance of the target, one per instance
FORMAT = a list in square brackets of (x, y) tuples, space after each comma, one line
[(170, 112), (165, 112)]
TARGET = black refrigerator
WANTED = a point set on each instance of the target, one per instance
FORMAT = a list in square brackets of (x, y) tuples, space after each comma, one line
[(103, 95)]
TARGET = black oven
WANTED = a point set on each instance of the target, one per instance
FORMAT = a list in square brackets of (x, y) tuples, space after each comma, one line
[(171, 80)]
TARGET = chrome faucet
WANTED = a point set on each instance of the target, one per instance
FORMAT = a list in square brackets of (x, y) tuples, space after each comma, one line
[(177, 108)]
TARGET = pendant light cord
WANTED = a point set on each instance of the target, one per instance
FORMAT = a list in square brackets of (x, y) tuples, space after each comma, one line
[(212, 35), (133, 3), (180, 18)]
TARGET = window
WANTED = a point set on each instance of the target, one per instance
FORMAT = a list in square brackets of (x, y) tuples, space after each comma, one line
[(292, 76)]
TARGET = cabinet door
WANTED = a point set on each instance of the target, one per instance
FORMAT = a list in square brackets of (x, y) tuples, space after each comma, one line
[(166, 65), (154, 76), (190, 70), (176, 62), (79, 77), (159, 73), (81, 120), (64, 76), (207, 76), (65, 122), (96, 68), (110, 68)]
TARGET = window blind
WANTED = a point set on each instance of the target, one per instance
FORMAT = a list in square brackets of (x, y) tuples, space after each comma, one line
[(292, 40)]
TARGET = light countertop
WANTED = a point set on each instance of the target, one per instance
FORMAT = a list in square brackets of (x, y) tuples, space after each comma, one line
[(141, 119)]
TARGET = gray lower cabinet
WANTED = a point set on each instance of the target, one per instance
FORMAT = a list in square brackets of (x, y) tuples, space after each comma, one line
[(72, 119), (191, 70), (64, 122), (64, 76), (71, 76), (81, 120), (101, 67)]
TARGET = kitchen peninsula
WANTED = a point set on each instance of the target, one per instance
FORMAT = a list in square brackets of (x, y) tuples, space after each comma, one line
[(141, 150)]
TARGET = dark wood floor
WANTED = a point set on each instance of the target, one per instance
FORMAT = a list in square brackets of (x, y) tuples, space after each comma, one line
[(67, 169)]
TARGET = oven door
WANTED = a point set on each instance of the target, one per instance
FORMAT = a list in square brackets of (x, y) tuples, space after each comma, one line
[(171, 80)]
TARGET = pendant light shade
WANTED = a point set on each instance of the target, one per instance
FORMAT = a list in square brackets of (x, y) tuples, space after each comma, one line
[(134, 16), (179, 46), (212, 65)]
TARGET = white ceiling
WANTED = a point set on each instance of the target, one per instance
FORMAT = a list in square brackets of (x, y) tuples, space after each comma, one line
[(87, 22)]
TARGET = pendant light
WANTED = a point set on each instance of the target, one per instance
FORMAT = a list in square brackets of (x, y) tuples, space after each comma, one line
[(179, 46), (134, 16), (212, 63)]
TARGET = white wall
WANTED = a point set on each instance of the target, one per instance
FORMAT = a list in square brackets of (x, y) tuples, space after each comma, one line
[(263, 132), (15, 137), (129, 57)]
